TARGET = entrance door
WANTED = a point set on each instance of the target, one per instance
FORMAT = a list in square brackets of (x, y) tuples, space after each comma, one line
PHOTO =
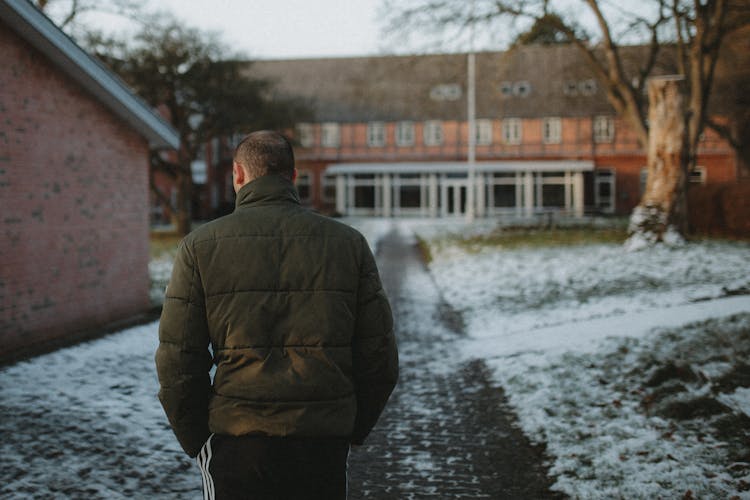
[(455, 198)]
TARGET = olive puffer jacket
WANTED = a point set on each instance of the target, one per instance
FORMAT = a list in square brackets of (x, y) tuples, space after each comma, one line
[(292, 308)]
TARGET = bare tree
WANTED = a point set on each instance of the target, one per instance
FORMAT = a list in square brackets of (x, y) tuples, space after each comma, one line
[(206, 90), (693, 29), (66, 13)]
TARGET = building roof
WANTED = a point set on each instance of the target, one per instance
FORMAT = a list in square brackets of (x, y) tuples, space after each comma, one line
[(526, 82), (34, 27)]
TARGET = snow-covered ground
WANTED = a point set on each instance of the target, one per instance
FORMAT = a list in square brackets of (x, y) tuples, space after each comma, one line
[(632, 367)]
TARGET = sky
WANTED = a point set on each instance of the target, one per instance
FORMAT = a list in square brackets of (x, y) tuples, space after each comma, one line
[(287, 28), (281, 29)]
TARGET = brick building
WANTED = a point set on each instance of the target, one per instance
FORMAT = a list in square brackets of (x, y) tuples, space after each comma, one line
[(389, 136), (74, 145)]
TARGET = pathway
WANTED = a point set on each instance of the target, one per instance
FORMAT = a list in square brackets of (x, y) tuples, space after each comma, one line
[(448, 431)]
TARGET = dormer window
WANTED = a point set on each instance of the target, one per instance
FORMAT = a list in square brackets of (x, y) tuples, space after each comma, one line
[(522, 88), (570, 88), (446, 92), (506, 89), (587, 87)]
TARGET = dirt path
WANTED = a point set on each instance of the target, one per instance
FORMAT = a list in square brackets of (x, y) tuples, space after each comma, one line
[(448, 431)]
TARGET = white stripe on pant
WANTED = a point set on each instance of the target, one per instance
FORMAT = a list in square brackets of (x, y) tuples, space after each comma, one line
[(204, 461)]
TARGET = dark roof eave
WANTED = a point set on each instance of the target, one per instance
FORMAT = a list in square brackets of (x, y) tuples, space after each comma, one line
[(41, 33)]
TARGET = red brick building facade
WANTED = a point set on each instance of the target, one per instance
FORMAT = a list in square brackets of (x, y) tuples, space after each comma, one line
[(390, 135), (74, 149)]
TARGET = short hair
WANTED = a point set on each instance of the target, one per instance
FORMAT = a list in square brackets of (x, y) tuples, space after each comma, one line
[(265, 152)]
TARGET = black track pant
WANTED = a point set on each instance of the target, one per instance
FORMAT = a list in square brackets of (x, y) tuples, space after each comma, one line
[(273, 468)]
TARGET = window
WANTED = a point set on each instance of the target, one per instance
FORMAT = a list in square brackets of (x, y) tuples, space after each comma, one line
[(506, 89), (376, 134), (587, 87), (570, 88), (483, 132), (433, 133), (522, 88), (328, 188), (604, 129), (198, 166), (305, 134), (512, 131), (405, 133), (604, 190), (697, 175), (446, 92), (552, 130), (330, 135), (304, 186)]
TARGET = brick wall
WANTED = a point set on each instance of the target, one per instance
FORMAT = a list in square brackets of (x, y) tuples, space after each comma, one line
[(73, 205)]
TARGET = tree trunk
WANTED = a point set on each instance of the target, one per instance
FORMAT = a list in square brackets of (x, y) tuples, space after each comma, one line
[(661, 215), (182, 215)]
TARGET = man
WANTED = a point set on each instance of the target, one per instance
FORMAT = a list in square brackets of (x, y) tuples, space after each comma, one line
[(292, 308)]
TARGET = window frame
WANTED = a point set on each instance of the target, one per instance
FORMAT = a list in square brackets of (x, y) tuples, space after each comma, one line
[(603, 129), (552, 130), (330, 135), (515, 125), (404, 139), (376, 134), (432, 134)]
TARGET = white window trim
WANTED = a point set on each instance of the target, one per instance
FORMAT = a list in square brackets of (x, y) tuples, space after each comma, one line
[(330, 135), (306, 134), (514, 125), (404, 138), (603, 129), (483, 132), (376, 134), (698, 175), (552, 130), (433, 133)]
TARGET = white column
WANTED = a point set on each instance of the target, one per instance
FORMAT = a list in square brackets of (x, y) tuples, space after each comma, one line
[(568, 192), (528, 193), (341, 194), (387, 195), (578, 194), (480, 199), (519, 193), (433, 196), (443, 198)]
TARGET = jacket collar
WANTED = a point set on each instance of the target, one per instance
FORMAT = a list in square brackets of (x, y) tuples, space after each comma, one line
[(268, 189)]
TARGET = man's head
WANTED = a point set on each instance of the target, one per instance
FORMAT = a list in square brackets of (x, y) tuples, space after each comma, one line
[(262, 153)]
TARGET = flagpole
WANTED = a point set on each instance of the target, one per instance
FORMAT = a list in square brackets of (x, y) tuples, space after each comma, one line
[(472, 124)]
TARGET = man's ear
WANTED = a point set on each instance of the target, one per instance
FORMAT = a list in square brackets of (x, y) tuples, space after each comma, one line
[(294, 174), (238, 176)]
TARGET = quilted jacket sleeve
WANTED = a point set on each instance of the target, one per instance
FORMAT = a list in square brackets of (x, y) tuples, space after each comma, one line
[(374, 352), (182, 358)]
